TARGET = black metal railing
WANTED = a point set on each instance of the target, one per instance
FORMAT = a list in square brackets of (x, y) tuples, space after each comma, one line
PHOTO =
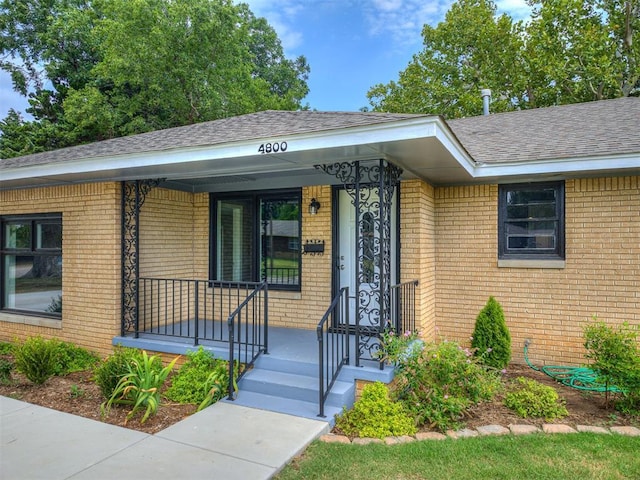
[(403, 307), (248, 332), (189, 309), (333, 344)]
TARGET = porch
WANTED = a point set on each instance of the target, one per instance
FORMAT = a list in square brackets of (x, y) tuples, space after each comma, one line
[(302, 372)]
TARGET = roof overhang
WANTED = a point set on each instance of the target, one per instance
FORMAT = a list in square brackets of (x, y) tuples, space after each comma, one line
[(424, 147)]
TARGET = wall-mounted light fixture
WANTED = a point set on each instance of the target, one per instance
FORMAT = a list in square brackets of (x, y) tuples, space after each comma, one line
[(314, 206)]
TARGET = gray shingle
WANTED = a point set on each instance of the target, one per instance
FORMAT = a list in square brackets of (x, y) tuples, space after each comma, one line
[(607, 127), (267, 124)]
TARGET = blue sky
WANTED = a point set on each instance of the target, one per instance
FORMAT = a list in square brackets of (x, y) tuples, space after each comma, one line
[(350, 45)]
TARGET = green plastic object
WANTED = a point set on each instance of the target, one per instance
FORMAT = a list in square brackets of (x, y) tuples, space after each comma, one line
[(580, 378)]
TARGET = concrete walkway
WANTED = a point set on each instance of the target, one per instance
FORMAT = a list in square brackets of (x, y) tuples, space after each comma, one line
[(223, 441)]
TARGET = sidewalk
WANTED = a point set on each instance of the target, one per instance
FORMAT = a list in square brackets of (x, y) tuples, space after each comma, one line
[(223, 441)]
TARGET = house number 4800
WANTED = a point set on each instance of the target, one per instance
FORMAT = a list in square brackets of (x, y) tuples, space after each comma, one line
[(273, 147)]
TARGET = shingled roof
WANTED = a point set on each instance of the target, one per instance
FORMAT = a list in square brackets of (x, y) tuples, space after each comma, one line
[(608, 127), (267, 124)]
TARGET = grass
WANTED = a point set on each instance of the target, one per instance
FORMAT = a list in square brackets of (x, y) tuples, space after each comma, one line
[(584, 456)]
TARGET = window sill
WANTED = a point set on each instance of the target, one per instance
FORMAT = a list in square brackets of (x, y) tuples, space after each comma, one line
[(530, 263), (30, 320)]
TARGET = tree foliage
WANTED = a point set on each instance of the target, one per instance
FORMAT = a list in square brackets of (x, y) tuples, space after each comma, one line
[(569, 51), (105, 68)]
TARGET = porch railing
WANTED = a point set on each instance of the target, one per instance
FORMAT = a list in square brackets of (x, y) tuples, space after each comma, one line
[(248, 332), (189, 309), (222, 314), (403, 306), (333, 344)]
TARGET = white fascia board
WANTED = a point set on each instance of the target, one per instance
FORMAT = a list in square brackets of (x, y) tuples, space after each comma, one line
[(452, 144), (609, 163), (422, 127)]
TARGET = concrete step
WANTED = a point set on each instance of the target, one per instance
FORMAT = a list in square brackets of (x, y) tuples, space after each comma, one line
[(288, 406), (295, 387)]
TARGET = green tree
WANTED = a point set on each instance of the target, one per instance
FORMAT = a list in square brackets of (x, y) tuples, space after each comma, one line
[(104, 68), (570, 51)]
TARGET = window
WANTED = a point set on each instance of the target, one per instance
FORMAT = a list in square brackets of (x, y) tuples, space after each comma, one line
[(31, 264), (531, 221), (256, 237)]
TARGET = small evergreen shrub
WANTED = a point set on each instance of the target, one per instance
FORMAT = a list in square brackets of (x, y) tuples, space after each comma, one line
[(109, 372), (203, 380), (36, 359), (71, 358), (615, 357), (491, 339), (6, 367), (439, 386), (530, 398), (375, 415)]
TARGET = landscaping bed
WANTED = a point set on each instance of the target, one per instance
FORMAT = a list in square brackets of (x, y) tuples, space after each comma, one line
[(77, 394)]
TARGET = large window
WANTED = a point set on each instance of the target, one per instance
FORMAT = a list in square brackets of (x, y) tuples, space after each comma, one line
[(256, 237), (531, 221), (31, 258)]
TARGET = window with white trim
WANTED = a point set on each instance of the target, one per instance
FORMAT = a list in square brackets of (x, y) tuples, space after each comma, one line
[(31, 264), (531, 221)]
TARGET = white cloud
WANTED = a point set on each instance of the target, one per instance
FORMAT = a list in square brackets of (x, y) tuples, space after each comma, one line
[(281, 16)]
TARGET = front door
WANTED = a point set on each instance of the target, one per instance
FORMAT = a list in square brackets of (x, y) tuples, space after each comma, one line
[(362, 261)]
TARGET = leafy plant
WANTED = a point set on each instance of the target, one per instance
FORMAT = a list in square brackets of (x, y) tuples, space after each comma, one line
[(217, 383), (6, 367), (440, 385), (140, 387), (113, 368), (76, 391), (530, 398), (203, 379), (375, 415), (6, 348), (394, 349), (36, 359), (615, 357), (72, 358), (491, 339)]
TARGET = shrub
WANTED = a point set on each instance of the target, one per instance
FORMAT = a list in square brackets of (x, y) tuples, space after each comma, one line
[(6, 348), (71, 358), (491, 339), (440, 385), (140, 386), (531, 398), (5, 371), (116, 366), (36, 359), (394, 349), (615, 358), (203, 379), (375, 415)]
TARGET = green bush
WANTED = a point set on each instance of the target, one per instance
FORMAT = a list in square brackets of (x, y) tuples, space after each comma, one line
[(199, 375), (439, 386), (530, 398), (5, 371), (395, 348), (615, 357), (71, 358), (491, 339), (6, 348), (140, 386), (36, 359), (109, 372), (375, 415)]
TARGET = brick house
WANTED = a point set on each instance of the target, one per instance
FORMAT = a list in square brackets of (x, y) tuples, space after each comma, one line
[(154, 239)]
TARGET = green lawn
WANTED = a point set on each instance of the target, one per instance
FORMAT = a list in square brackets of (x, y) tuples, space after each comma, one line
[(580, 456)]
